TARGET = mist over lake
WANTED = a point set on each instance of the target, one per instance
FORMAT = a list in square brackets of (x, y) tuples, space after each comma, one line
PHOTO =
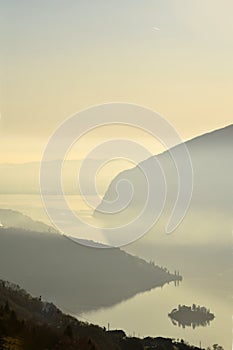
[(206, 280)]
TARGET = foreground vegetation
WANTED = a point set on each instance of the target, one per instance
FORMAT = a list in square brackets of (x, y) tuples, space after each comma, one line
[(28, 323)]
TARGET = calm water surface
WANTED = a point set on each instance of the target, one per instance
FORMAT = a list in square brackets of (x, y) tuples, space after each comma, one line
[(146, 313)]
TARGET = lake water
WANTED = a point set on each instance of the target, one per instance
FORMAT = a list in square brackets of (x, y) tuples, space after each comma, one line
[(146, 313)]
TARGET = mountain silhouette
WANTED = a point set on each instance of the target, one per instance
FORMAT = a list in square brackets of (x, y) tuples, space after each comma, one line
[(13, 218), (76, 277), (212, 199)]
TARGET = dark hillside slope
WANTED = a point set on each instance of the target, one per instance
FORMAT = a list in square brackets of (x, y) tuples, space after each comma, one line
[(75, 277)]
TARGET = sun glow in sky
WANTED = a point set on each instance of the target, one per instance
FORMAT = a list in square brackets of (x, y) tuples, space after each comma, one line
[(58, 57)]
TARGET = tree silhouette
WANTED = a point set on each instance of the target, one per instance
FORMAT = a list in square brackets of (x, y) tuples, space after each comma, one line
[(68, 332), (6, 307), (217, 347)]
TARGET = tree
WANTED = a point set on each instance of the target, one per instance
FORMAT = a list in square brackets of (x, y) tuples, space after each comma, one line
[(217, 347), (6, 307), (68, 332), (1, 343)]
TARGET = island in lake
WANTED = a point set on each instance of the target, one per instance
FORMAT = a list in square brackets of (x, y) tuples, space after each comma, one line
[(191, 316), (28, 322)]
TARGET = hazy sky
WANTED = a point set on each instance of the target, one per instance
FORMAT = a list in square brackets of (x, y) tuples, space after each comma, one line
[(58, 57)]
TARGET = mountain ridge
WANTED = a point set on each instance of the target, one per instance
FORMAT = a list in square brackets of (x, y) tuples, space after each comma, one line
[(68, 271), (212, 196)]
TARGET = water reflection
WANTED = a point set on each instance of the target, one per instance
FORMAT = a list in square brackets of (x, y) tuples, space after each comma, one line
[(191, 316)]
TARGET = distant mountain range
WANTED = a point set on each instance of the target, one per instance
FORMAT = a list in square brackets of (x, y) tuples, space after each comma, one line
[(24, 178), (13, 218), (211, 155), (209, 218)]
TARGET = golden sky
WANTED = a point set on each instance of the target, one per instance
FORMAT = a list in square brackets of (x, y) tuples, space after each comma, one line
[(58, 57)]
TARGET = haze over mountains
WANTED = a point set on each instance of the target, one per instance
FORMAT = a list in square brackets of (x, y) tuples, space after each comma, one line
[(24, 178), (77, 278), (13, 218), (201, 246), (209, 218), (80, 279), (208, 221), (211, 156)]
